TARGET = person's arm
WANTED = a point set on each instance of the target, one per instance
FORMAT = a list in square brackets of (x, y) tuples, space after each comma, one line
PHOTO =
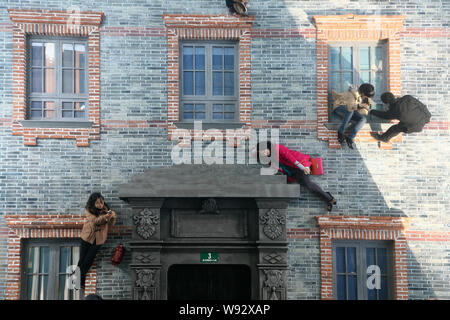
[(98, 221), (112, 221), (287, 155), (389, 115)]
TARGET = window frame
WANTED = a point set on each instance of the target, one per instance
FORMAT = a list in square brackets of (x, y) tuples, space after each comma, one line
[(54, 245), (361, 274), (58, 97), (356, 45), (209, 99)]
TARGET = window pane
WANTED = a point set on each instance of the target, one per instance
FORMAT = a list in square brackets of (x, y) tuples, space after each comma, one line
[(188, 107), (351, 260), (67, 84), (347, 58), (364, 58), (217, 58), (383, 292), (80, 56), (64, 258), (32, 287), (36, 54), (67, 55), (229, 59), (378, 61), (44, 259), (381, 259), (370, 257), (188, 83), (43, 288), (49, 110), (75, 254), (49, 80), (341, 288), (335, 83), (334, 57), (364, 77), (200, 115), (188, 115), (67, 114), (49, 54), (217, 84), (36, 80), (188, 58), (36, 110), (64, 292), (33, 260), (340, 260), (67, 105), (217, 108), (229, 108), (347, 80), (217, 115), (229, 115), (199, 107), (352, 288), (200, 83), (229, 83), (199, 58), (379, 83), (80, 77), (371, 294)]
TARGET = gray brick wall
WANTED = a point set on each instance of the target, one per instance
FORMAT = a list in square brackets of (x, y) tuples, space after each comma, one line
[(409, 180)]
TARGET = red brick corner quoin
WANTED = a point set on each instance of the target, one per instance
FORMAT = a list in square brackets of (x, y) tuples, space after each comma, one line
[(207, 27), (363, 228), (352, 27), (42, 227), (55, 23)]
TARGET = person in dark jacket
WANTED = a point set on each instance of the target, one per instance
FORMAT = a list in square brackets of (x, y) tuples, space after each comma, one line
[(412, 113)]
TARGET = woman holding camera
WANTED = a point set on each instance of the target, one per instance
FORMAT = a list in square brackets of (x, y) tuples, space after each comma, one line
[(95, 231)]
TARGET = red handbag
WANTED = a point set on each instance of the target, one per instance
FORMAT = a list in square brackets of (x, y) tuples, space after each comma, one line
[(317, 166), (117, 255)]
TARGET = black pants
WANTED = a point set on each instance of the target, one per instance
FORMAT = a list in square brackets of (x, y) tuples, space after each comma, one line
[(304, 179), (87, 255), (393, 131)]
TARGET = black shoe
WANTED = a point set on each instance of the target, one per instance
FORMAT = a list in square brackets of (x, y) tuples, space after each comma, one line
[(331, 202), (340, 137), (377, 137), (349, 142)]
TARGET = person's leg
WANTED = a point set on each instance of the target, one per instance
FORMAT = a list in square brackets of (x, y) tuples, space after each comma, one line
[(359, 120), (390, 133), (305, 180), (88, 260), (346, 117)]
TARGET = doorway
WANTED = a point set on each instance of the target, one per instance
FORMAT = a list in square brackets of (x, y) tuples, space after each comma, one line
[(209, 282)]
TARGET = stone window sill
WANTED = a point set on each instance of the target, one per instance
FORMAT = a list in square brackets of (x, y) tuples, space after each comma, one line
[(55, 124), (210, 125)]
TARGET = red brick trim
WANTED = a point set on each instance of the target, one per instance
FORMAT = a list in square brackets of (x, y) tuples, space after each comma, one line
[(207, 27), (363, 228), (43, 227), (44, 22), (354, 28)]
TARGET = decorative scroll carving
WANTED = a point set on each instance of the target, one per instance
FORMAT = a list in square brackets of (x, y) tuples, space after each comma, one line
[(273, 258), (145, 223), (209, 206), (274, 284), (273, 222), (146, 281)]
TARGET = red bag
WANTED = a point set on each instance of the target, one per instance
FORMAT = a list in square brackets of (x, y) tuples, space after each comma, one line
[(317, 166), (117, 255)]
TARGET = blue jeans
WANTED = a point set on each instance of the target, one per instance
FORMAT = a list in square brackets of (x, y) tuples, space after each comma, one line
[(348, 116)]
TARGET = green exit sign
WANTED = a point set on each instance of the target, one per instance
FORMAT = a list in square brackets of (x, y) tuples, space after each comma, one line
[(208, 257)]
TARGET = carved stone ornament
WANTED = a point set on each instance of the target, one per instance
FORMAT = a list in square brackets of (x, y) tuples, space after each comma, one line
[(145, 258), (273, 222), (145, 222), (209, 206), (273, 258), (274, 280), (145, 280)]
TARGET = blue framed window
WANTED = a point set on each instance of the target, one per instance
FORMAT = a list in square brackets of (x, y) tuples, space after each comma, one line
[(362, 270), (209, 81)]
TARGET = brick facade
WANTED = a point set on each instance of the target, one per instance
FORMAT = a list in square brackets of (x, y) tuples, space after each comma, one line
[(46, 178)]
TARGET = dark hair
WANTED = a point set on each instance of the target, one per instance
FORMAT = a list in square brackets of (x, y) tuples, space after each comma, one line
[(388, 97), (367, 89), (93, 297), (263, 145), (90, 204)]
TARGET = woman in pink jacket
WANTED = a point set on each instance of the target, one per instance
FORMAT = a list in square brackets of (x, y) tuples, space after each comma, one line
[(296, 166)]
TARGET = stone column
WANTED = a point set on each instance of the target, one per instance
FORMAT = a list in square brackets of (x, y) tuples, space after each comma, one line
[(146, 248), (272, 248)]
